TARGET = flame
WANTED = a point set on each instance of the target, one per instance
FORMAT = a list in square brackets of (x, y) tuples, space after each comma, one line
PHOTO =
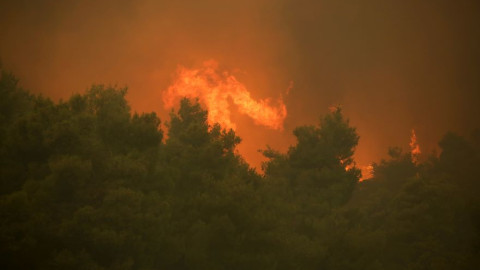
[(334, 108), (414, 147), (213, 88), (367, 172)]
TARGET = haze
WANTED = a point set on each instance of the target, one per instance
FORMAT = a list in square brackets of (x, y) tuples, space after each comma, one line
[(391, 65)]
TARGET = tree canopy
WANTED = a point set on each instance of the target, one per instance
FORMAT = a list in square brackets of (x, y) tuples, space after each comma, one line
[(88, 184)]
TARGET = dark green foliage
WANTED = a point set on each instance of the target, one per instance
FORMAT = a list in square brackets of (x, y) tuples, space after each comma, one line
[(421, 216), (317, 164), (86, 184)]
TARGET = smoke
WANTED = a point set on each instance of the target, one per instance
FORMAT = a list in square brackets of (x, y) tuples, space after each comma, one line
[(392, 65)]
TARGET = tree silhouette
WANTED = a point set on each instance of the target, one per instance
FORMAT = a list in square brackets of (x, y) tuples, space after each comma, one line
[(87, 184)]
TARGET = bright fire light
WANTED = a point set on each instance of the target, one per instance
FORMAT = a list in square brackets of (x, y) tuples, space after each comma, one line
[(214, 88), (367, 172), (414, 147)]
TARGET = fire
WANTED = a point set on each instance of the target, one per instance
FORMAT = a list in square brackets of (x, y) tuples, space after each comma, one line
[(367, 172), (214, 88), (414, 147)]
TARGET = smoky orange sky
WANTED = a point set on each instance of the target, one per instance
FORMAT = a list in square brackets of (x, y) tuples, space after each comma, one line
[(393, 66)]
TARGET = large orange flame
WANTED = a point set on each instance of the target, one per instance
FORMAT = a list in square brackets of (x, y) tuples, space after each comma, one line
[(414, 147), (213, 88)]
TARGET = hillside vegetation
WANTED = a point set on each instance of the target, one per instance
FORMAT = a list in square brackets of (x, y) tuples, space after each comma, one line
[(87, 184)]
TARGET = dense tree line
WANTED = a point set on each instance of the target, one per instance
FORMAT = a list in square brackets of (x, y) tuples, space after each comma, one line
[(87, 184)]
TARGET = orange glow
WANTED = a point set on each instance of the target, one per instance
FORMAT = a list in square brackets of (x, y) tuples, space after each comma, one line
[(214, 88), (414, 147), (367, 172)]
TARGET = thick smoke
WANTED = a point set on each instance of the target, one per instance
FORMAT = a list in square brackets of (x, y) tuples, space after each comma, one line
[(393, 66)]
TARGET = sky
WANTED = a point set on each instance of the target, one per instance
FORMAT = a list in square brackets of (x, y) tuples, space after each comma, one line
[(393, 66)]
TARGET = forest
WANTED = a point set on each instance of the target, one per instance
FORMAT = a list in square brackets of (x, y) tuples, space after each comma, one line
[(86, 183)]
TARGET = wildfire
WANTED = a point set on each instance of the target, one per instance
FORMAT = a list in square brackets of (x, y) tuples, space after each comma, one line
[(213, 88), (414, 147), (367, 172)]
